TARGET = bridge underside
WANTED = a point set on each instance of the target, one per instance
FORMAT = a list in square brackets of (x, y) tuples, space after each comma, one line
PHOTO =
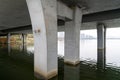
[(44, 18), (14, 14)]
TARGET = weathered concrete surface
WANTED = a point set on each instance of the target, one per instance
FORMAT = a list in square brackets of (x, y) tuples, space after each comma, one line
[(44, 22), (64, 11), (101, 32), (93, 6), (72, 38)]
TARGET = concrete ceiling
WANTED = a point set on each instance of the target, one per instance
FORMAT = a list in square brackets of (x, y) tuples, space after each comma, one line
[(93, 6), (14, 13), (114, 23)]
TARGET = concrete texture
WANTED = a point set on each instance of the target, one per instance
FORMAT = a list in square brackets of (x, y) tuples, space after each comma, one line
[(44, 22), (101, 32), (72, 38)]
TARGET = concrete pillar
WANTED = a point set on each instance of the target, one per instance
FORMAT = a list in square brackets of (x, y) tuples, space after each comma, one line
[(23, 42), (105, 30), (8, 43), (8, 38), (101, 56), (72, 38), (9, 48), (24, 38), (43, 15)]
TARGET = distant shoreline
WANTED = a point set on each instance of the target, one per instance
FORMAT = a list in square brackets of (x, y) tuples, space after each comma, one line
[(61, 39)]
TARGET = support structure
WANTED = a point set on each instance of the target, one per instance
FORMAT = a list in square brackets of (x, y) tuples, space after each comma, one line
[(8, 43), (101, 43), (43, 15), (8, 38), (23, 38), (24, 42), (72, 38)]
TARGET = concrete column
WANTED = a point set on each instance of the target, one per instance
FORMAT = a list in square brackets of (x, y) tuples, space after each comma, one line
[(43, 15), (101, 35), (23, 42), (8, 38), (72, 38), (24, 38), (8, 43), (9, 48)]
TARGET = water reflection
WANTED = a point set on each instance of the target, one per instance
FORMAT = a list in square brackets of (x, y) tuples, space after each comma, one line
[(18, 65), (15, 64), (85, 71), (71, 72), (101, 62), (9, 49)]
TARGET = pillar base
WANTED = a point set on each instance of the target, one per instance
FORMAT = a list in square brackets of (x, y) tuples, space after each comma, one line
[(71, 62), (50, 74)]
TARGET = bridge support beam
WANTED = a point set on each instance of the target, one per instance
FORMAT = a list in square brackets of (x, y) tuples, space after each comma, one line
[(72, 38), (43, 15), (101, 43)]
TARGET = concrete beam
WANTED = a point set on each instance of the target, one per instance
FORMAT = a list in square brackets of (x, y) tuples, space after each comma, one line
[(20, 28), (101, 16), (64, 12)]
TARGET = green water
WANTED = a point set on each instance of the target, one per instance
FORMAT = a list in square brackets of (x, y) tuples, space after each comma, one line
[(18, 65)]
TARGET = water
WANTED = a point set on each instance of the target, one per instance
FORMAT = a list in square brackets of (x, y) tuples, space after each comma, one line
[(16, 63)]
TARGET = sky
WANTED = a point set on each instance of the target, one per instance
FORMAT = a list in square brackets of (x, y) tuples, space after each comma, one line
[(111, 32)]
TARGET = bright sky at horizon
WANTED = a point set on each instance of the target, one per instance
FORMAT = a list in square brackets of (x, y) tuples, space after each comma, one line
[(111, 32)]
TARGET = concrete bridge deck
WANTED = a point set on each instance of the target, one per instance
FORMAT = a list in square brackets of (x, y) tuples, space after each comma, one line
[(15, 13)]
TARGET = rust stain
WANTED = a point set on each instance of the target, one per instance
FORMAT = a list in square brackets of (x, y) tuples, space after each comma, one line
[(39, 31)]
